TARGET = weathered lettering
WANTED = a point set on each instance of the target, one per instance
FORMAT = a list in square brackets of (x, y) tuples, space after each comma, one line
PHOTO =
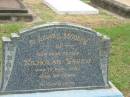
[(58, 56)]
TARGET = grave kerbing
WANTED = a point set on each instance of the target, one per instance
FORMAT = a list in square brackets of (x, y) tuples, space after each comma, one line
[(14, 10), (119, 7), (72, 7)]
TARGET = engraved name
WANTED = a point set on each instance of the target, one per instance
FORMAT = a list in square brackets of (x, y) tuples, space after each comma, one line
[(56, 36)]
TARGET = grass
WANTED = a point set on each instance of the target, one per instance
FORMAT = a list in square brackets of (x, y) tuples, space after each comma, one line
[(117, 29), (119, 65), (47, 15)]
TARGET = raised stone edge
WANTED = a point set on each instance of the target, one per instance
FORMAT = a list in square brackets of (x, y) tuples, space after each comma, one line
[(6, 39), (14, 35), (94, 12), (58, 24), (17, 35), (116, 92)]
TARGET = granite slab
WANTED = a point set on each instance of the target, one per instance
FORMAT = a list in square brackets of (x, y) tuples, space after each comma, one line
[(55, 56)]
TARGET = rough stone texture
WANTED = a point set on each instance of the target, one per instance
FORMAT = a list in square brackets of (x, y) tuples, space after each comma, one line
[(53, 57), (116, 6), (70, 7), (13, 10)]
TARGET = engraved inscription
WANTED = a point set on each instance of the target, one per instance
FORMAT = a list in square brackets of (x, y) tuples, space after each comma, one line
[(68, 58), (54, 57), (56, 36)]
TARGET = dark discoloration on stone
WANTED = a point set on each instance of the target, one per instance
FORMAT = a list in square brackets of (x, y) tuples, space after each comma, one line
[(55, 56), (114, 6), (10, 9)]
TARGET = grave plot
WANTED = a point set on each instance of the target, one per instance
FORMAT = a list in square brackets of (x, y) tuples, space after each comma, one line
[(62, 57), (13, 10), (70, 7), (121, 7)]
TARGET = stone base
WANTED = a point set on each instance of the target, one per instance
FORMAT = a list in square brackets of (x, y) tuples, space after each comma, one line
[(111, 92), (70, 7), (115, 6)]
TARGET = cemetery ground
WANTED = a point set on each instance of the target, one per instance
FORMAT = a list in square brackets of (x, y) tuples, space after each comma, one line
[(117, 28)]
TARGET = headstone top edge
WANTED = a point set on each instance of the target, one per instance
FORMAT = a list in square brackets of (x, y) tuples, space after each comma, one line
[(56, 24), (99, 34), (6, 39), (14, 35), (106, 37)]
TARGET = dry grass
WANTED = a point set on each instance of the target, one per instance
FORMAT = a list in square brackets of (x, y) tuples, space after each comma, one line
[(47, 15)]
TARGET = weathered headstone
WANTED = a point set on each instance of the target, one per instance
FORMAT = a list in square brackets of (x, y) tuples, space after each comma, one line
[(53, 57), (14, 10), (57, 56)]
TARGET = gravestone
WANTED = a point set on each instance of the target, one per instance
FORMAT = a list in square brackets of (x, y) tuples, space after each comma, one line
[(53, 57), (14, 10), (70, 7)]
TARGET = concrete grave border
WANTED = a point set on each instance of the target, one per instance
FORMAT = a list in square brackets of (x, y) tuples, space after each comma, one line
[(114, 6)]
